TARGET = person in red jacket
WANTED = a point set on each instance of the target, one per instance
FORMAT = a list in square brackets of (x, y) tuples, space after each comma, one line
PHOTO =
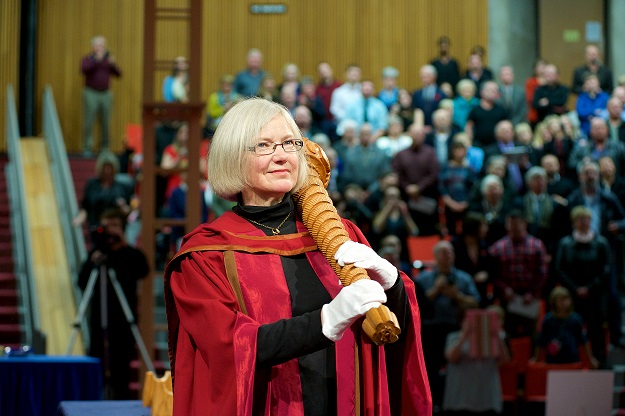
[(258, 321)]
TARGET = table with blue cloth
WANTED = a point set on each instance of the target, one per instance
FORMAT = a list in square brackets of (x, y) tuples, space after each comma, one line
[(36, 384), (103, 408)]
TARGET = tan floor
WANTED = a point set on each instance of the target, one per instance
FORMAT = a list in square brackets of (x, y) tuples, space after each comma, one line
[(57, 309)]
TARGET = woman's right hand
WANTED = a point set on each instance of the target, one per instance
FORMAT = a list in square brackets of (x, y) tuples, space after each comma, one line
[(351, 303)]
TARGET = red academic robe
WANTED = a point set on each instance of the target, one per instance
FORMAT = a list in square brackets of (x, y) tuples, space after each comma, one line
[(212, 343)]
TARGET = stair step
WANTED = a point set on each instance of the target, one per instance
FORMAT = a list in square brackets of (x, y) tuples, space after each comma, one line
[(7, 281), (8, 297), (9, 315), (10, 333)]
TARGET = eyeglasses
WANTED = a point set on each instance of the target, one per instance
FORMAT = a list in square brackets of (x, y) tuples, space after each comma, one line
[(268, 148)]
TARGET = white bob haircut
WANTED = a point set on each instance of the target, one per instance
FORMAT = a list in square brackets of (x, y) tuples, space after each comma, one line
[(238, 130)]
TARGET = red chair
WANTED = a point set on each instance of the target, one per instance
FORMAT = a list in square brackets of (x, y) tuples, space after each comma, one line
[(421, 248), (536, 379), (509, 377), (521, 352)]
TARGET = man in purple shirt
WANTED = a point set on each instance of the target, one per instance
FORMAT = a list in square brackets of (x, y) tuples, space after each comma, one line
[(417, 169), (97, 68)]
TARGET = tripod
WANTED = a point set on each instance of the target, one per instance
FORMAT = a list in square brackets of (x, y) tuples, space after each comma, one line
[(103, 273)]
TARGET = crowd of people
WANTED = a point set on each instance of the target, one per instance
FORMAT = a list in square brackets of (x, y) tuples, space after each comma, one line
[(526, 193)]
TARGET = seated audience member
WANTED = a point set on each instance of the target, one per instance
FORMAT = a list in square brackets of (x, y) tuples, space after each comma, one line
[(558, 186), (590, 102), (582, 264), (472, 385), (176, 156), (475, 155), (290, 77), (562, 332), (181, 67), (446, 66), (531, 84), (440, 138), (395, 140), (325, 87), (524, 136), (268, 88), (449, 290), (369, 109), (496, 165), (220, 101), (247, 82), (417, 170), (492, 205), (464, 101), (303, 119), (403, 108), (477, 72), (308, 98), (392, 217), (504, 145), (471, 253), (177, 203), (353, 207), (592, 65), (348, 133), (104, 191), (609, 180), (455, 180), (558, 143), (512, 96), (551, 97), (519, 270), (615, 119), (288, 98), (348, 93), (484, 117), (425, 100), (180, 87), (363, 164), (376, 190), (599, 145), (397, 253), (538, 207), (389, 94)]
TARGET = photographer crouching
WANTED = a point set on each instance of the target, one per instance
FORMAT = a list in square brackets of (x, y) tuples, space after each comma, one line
[(111, 338)]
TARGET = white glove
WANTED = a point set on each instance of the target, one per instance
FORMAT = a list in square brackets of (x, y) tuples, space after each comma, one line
[(351, 303), (380, 270)]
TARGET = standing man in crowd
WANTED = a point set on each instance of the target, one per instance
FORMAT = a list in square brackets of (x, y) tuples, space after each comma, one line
[(550, 98), (97, 67), (592, 65), (247, 82), (512, 96)]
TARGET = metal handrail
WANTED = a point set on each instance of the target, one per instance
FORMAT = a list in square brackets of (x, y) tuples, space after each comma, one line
[(23, 265), (75, 246)]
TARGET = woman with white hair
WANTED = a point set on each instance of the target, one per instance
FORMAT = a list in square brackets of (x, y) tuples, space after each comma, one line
[(258, 321)]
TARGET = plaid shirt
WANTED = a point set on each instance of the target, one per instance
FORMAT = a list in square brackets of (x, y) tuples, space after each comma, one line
[(519, 265)]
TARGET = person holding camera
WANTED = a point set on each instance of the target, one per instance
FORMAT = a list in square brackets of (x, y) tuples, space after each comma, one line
[(97, 67), (113, 343), (449, 291)]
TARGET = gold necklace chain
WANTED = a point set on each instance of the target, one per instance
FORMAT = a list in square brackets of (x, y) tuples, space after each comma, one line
[(274, 230)]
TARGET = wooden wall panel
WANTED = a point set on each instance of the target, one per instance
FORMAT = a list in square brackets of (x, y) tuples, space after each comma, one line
[(371, 33), (9, 56)]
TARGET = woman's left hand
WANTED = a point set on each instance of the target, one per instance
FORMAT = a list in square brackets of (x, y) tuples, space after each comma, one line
[(379, 269)]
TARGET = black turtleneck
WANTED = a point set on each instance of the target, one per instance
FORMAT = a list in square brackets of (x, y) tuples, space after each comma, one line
[(300, 336)]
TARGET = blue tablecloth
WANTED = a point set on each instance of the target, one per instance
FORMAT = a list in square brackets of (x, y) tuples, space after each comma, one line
[(104, 408), (35, 385)]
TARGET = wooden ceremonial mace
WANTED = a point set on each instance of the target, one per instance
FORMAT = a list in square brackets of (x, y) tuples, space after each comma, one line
[(323, 222)]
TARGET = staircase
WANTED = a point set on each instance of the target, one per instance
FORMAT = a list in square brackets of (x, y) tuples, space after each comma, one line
[(10, 327)]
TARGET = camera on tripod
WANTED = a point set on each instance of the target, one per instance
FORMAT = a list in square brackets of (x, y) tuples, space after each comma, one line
[(102, 239)]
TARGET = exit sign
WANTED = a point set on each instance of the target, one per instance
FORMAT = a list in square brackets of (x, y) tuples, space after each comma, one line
[(268, 8)]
